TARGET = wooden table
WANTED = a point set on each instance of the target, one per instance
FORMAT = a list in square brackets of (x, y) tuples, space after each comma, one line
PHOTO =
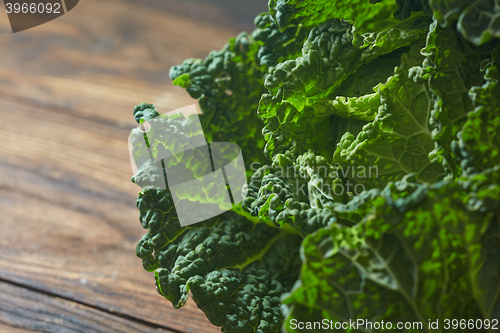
[(68, 221)]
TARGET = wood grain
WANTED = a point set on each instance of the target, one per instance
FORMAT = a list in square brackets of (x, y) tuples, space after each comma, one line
[(22, 310), (68, 219), (104, 57), (68, 208)]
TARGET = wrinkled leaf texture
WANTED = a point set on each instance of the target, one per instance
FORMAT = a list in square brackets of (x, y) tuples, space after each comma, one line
[(323, 88)]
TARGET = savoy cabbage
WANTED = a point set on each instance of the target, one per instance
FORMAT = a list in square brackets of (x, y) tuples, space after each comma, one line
[(370, 130)]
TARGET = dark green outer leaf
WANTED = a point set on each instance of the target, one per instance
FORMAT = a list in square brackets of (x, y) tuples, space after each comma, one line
[(235, 270), (228, 84)]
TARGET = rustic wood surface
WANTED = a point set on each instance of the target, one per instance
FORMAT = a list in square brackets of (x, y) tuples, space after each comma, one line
[(67, 207), (23, 310)]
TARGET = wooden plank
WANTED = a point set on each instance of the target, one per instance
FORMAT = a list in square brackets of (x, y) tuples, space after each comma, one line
[(68, 216), (22, 310), (104, 57), (67, 207)]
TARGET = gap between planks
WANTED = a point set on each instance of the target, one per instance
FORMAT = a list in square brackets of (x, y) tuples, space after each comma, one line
[(91, 306)]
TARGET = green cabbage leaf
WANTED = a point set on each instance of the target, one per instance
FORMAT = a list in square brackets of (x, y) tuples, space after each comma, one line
[(370, 135)]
